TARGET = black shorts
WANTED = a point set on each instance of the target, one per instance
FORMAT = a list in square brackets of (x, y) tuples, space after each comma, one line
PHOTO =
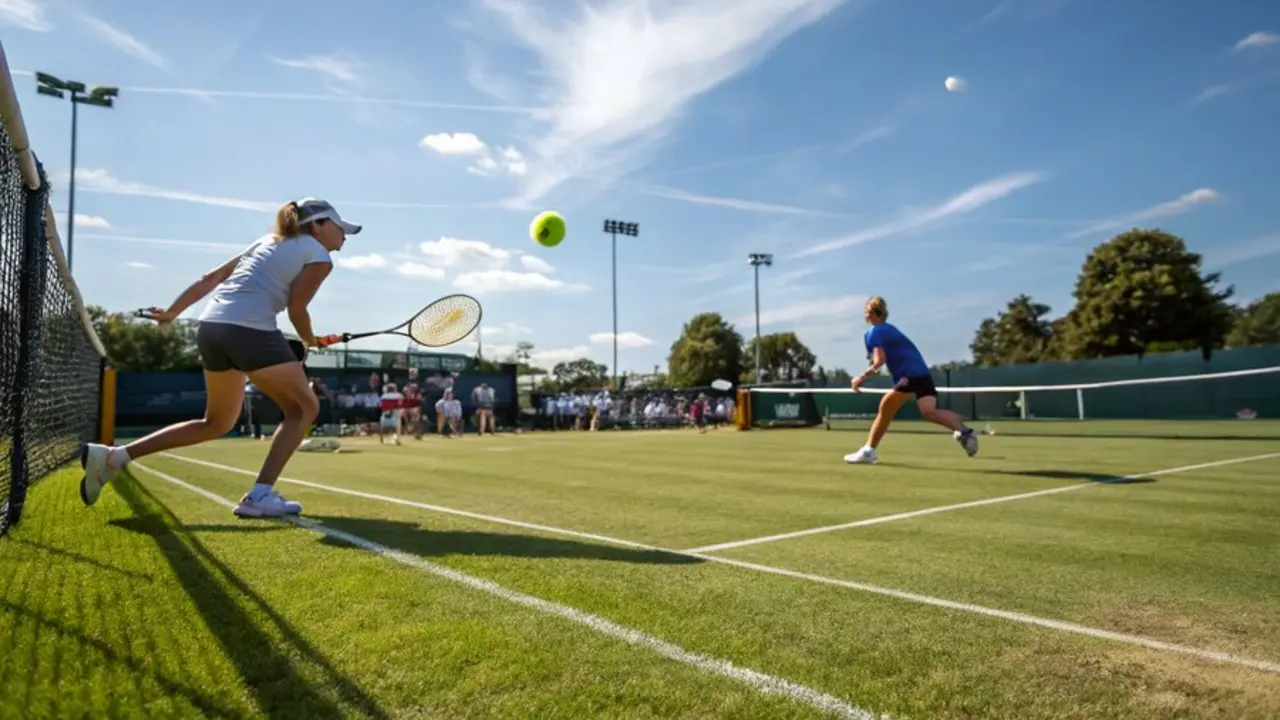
[(919, 386), (225, 347)]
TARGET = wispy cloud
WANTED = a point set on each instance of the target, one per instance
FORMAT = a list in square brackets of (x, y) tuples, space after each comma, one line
[(136, 265), (1172, 208), (507, 329), (339, 67), (626, 340), (508, 281), (488, 160), (877, 133), (218, 248), (1243, 252), (123, 41), (372, 261), (536, 264), (624, 72), (825, 308), (1257, 40), (1211, 92), (204, 94), (961, 204), (452, 252), (25, 14), (376, 262), (755, 206)]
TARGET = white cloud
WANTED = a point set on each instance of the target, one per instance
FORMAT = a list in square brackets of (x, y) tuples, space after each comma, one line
[(548, 358), (92, 221), (339, 67), (505, 281), (1182, 205), (346, 99), (195, 245), (625, 339), (1257, 39), (1212, 92), (966, 202), (536, 264), (418, 270), (139, 265), (123, 41), (624, 72), (25, 14), (825, 308), (451, 252), (453, 144), (671, 193), (506, 329), (101, 181), (372, 261)]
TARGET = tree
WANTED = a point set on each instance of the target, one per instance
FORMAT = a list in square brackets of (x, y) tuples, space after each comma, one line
[(1143, 289), (782, 356), (580, 374), (1019, 334), (136, 345), (708, 348), (1258, 323)]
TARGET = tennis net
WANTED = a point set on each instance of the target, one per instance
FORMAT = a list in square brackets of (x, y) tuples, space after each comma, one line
[(1235, 404), (52, 364)]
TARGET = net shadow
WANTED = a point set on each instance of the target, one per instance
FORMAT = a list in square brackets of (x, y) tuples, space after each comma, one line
[(267, 670), (412, 538)]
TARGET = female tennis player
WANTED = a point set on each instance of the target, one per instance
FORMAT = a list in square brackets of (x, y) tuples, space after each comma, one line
[(887, 345), (238, 337)]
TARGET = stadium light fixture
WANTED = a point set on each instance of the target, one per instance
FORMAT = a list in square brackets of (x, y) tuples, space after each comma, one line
[(616, 228), (755, 260), (80, 94)]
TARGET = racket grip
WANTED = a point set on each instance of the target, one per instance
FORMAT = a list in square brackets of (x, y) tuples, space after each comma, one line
[(327, 340)]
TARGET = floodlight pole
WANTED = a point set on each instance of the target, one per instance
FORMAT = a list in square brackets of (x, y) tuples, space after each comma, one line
[(79, 95), (614, 228), (756, 260)]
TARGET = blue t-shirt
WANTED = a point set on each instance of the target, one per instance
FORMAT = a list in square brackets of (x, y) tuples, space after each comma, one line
[(901, 355)]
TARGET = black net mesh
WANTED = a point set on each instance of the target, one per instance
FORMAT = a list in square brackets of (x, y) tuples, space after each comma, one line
[(50, 367)]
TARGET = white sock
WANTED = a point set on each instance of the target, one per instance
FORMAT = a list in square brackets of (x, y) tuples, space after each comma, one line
[(117, 457), (259, 491)]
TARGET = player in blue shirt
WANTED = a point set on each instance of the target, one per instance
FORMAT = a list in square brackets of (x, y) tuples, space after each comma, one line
[(886, 345)]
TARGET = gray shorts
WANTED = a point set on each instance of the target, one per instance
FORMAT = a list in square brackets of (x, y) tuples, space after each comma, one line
[(225, 347)]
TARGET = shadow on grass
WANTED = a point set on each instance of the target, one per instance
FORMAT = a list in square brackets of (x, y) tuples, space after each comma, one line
[(415, 539), (266, 669), (1049, 474), (82, 559)]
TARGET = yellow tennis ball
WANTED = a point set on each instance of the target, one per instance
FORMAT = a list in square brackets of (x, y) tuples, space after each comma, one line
[(548, 228)]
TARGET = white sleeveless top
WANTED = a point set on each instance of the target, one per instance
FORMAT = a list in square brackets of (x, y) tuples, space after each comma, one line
[(258, 289)]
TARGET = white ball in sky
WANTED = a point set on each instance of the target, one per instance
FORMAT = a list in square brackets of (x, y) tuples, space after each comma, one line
[(954, 83)]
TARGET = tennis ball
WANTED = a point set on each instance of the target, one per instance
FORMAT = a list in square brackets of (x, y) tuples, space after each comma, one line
[(548, 228)]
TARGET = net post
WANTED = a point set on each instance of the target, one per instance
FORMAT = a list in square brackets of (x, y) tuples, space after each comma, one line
[(106, 404), (1022, 404), (1080, 403), (743, 409)]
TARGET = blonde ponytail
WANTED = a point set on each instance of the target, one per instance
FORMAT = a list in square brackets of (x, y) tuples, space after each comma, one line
[(287, 224)]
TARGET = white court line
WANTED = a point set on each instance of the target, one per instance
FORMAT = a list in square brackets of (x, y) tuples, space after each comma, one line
[(971, 504), (1263, 665), (758, 681)]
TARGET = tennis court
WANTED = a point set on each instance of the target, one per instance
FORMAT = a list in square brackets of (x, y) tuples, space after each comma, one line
[(665, 574)]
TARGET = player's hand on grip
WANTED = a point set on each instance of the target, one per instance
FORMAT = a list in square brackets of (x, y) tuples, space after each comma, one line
[(326, 340), (856, 384), (160, 315)]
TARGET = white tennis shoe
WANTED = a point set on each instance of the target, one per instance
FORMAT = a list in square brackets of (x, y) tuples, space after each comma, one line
[(269, 505), (97, 471), (864, 456)]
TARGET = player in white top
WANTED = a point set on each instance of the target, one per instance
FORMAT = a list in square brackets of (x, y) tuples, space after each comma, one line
[(238, 337), (449, 409), (392, 406), (599, 406)]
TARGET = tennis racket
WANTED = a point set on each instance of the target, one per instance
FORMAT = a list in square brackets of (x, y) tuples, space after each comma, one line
[(443, 322)]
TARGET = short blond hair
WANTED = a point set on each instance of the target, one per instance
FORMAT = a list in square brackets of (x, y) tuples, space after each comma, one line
[(878, 307), (287, 224)]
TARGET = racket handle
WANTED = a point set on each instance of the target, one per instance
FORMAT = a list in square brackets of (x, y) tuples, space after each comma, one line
[(327, 340)]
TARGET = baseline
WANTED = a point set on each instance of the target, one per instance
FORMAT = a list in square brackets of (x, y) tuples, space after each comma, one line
[(761, 682), (1118, 479), (1013, 616)]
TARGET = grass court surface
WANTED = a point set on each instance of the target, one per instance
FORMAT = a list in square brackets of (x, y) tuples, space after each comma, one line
[(562, 575)]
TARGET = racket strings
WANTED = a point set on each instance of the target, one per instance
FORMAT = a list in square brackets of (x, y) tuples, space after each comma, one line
[(445, 321)]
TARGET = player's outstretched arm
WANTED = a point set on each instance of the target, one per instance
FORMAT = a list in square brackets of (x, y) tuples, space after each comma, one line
[(197, 290)]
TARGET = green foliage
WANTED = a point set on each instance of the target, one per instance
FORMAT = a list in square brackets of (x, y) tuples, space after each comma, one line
[(580, 374), (782, 356), (1257, 324), (136, 345), (1020, 334), (708, 348), (1143, 289)]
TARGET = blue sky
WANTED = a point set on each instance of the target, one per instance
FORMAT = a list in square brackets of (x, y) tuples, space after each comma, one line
[(817, 130)]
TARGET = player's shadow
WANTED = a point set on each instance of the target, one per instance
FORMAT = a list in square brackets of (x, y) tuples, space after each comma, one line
[(1048, 474), (425, 542), (234, 613)]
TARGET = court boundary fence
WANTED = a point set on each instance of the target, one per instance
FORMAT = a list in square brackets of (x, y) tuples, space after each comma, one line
[(43, 272)]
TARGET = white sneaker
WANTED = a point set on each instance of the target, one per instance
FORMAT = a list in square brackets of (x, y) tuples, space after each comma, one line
[(968, 441), (864, 456), (97, 473), (269, 505)]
